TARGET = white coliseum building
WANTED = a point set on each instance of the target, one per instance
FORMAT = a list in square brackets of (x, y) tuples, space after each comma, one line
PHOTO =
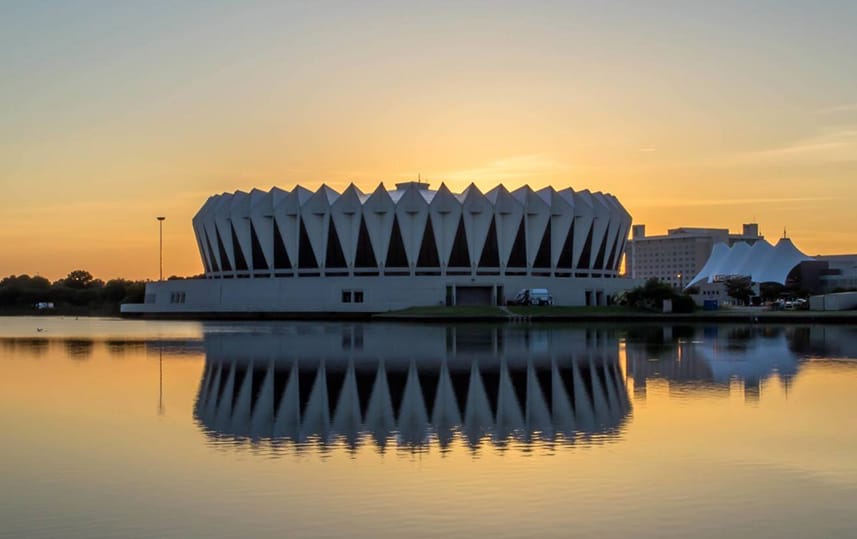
[(303, 251)]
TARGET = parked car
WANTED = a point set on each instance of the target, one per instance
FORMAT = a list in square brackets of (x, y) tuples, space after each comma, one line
[(532, 296)]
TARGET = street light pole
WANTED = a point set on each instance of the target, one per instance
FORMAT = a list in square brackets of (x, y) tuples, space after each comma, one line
[(160, 381), (161, 247)]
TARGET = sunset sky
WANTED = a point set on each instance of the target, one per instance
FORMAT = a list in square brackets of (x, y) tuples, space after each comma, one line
[(691, 113)]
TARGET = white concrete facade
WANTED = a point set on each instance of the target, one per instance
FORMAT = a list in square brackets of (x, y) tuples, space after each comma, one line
[(304, 251), (365, 294), (842, 301)]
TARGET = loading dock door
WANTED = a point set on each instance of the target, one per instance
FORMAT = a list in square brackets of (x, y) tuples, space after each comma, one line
[(473, 295)]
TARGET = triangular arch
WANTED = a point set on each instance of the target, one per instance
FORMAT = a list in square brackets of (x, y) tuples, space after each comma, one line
[(599, 258), (334, 257), (543, 255), (428, 257), (518, 254), (490, 252), (459, 257), (365, 255), (202, 250), (223, 258), (612, 258), (259, 262), (586, 254), (306, 256), (564, 260), (240, 261), (281, 256), (213, 255), (396, 256)]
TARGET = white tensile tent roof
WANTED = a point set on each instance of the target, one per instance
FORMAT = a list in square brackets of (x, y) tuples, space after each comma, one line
[(761, 262)]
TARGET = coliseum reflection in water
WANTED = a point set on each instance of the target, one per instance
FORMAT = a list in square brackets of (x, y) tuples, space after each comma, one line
[(330, 383)]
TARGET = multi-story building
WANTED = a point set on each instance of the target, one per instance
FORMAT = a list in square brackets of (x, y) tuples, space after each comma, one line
[(680, 254), (839, 273)]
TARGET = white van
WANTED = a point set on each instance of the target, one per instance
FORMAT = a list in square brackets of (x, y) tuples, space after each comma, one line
[(532, 296)]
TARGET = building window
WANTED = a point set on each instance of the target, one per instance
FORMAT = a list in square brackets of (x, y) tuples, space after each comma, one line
[(352, 296), (177, 297)]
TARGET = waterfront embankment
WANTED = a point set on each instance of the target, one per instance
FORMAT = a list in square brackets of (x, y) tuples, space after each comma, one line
[(617, 314)]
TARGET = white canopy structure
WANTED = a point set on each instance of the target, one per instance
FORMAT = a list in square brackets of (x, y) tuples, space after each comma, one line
[(761, 262)]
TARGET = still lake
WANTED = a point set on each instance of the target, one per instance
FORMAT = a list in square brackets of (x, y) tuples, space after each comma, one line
[(130, 429)]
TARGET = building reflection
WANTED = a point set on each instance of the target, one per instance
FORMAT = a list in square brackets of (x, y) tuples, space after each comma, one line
[(413, 384), (723, 357), (825, 341)]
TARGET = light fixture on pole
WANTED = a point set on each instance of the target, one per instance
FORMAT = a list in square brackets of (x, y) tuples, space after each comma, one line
[(161, 247), (160, 381)]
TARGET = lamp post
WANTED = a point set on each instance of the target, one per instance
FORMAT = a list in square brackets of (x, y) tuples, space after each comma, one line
[(161, 247), (160, 381)]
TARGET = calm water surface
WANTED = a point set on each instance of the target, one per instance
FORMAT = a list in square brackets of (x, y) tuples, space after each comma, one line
[(130, 429)]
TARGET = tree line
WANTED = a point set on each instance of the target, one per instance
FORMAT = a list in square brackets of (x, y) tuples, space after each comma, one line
[(77, 293)]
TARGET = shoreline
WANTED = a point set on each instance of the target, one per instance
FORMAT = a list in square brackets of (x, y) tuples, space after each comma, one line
[(492, 314), (496, 314)]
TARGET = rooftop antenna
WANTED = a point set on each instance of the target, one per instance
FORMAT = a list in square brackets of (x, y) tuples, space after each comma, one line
[(784, 233)]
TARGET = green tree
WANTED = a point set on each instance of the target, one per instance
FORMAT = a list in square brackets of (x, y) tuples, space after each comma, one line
[(79, 279), (123, 291), (651, 296), (771, 291), (740, 288), (23, 290), (78, 292)]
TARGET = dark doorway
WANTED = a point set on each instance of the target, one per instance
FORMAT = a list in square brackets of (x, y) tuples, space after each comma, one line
[(473, 295)]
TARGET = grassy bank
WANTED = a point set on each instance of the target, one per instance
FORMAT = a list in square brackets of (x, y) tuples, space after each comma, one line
[(110, 309), (440, 312), (615, 314), (554, 311)]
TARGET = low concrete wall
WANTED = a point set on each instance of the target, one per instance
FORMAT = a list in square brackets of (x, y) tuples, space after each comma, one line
[(325, 294), (842, 301)]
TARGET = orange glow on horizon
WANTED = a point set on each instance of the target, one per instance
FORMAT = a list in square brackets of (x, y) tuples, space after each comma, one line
[(698, 116), (110, 240)]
